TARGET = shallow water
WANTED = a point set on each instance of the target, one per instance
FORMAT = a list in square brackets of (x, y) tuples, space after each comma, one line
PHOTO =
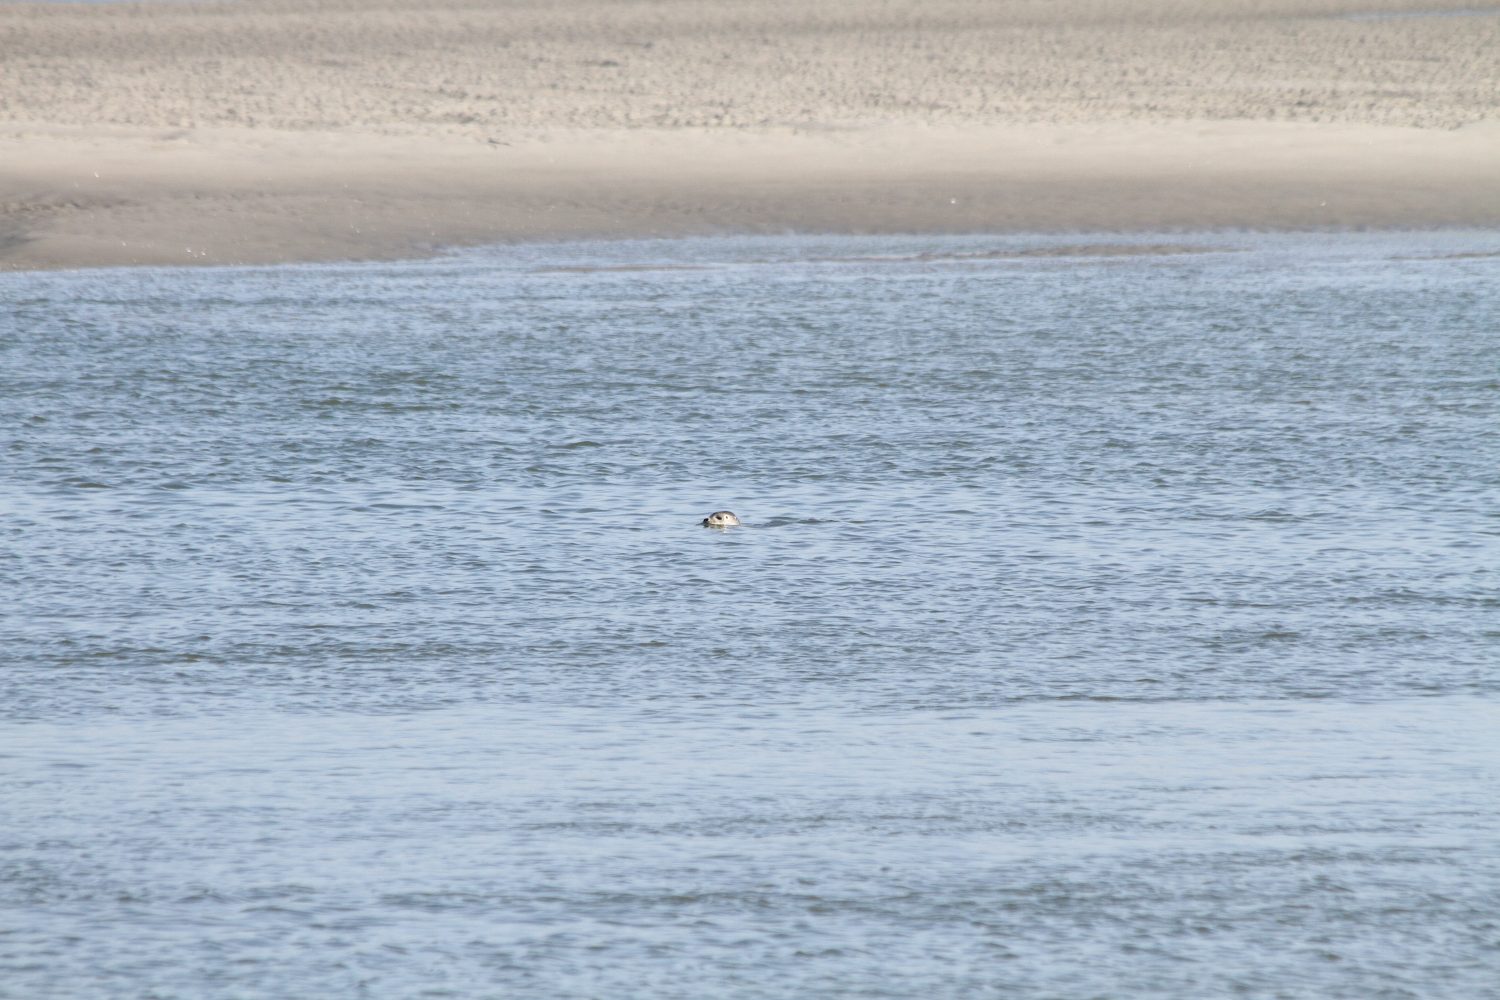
[(1111, 617)]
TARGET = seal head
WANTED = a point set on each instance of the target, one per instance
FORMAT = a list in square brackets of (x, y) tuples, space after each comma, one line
[(721, 519)]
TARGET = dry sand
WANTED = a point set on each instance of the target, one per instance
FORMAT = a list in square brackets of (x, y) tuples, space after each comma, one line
[(269, 131)]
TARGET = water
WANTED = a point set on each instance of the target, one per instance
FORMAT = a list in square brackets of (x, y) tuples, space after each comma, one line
[(1111, 618)]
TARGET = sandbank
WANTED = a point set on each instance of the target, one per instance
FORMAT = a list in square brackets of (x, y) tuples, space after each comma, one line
[(262, 132)]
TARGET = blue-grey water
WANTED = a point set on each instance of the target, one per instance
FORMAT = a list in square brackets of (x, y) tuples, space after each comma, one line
[(1111, 618)]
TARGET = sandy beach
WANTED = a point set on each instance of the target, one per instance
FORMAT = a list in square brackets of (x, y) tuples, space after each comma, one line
[(260, 132)]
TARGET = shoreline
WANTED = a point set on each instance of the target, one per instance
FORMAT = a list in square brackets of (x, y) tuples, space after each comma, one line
[(73, 197), (268, 131)]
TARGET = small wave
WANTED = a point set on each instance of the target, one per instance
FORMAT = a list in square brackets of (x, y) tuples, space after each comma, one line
[(614, 268), (1025, 253)]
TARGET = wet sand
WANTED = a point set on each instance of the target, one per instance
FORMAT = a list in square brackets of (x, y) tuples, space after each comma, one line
[(277, 131)]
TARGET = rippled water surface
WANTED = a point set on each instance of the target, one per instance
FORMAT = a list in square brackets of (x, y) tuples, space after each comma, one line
[(1110, 618)]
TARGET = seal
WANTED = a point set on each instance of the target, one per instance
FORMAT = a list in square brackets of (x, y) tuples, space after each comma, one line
[(721, 519)]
